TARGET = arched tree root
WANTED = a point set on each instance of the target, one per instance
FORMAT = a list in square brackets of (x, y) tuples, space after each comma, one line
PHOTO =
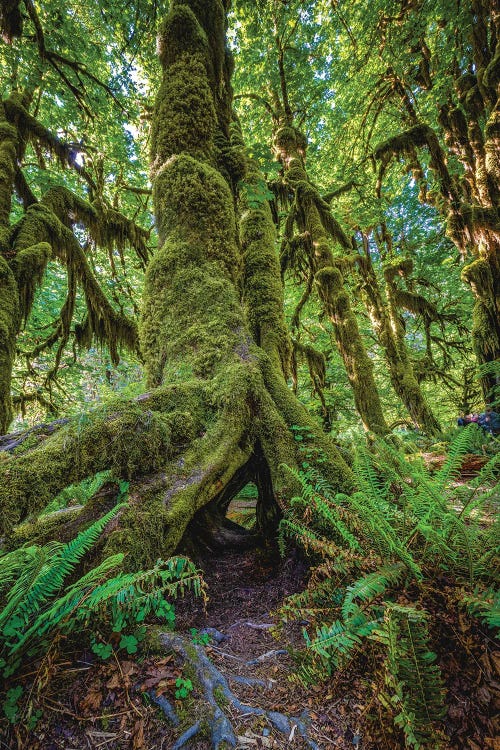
[(215, 685)]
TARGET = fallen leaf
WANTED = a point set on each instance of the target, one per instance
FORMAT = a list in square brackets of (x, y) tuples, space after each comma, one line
[(92, 701), (138, 735)]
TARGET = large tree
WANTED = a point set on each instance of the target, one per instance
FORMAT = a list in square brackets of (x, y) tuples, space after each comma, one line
[(212, 334)]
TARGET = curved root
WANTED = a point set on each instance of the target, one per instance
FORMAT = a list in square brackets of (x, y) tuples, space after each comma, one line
[(213, 682)]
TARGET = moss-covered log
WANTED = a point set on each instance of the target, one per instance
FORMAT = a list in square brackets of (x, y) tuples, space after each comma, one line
[(212, 333)]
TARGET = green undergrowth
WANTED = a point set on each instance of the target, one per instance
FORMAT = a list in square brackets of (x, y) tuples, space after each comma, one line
[(44, 602), (387, 560), (78, 494)]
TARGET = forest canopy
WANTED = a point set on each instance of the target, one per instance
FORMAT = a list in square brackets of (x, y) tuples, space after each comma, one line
[(401, 169)]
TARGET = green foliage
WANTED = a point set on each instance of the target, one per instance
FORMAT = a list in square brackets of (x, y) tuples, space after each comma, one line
[(485, 605), (40, 604), (199, 639), (184, 688), (382, 547), (411, 675), (256, 194), (79, 494)]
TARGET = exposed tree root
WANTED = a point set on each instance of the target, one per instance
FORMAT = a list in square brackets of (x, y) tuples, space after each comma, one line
[(14, 440), (215, 686)]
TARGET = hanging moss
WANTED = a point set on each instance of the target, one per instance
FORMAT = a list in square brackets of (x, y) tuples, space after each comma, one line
[(31, 129), (316, 361), (314, 217), (386, 321), (40, 230), (351, 347), (402, 143), (107, 227), (316, 364), (29, 267), (405, 143), (397, 267)]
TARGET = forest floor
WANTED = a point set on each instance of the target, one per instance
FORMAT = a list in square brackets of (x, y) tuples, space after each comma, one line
[(89, 704)]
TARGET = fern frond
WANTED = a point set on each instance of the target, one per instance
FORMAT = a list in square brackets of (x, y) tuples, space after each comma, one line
[(370, 481), (366, 589), (412, 674), (485, 605), (59, 565), (337, 642), (456, 451)]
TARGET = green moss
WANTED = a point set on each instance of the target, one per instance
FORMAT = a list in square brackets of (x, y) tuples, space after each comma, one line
[(263, 289), (191, 311), (8, 164), (193, 201), (185, 117), (478, 275), (124, 437), (29, 267), (359, 366), (141, 533), (10, 319), (314, 217), (288, 141), (181, 34)]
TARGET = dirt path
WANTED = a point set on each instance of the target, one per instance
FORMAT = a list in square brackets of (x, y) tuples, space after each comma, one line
[(88, 704)]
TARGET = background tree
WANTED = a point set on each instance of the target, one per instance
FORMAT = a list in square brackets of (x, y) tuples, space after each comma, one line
[(48, 216)]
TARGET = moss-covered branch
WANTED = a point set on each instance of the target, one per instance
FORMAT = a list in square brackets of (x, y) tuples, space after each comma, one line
[(316, 223)]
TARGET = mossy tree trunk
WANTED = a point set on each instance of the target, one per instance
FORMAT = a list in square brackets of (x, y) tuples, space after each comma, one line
[(468, 132), (385, 317), (212, 335), (317, 228)]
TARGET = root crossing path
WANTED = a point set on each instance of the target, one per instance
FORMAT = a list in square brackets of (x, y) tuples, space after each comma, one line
[(243, 673)]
